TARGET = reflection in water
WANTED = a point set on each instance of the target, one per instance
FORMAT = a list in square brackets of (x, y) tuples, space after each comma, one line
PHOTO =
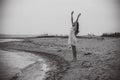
[(13, 62)]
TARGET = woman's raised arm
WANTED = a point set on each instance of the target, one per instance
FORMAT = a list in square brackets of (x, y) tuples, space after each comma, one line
[(72, 17), (78, 17)]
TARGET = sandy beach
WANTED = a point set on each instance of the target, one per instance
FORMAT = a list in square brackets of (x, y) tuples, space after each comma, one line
[(98, 58)]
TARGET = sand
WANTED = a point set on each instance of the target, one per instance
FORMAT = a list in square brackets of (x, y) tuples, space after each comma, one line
[(98, 58)]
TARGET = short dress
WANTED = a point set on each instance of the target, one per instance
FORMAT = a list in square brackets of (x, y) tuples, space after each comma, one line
[(72, 40)]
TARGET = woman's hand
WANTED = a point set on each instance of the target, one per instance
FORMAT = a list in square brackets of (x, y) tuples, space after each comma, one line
[(79, 14)]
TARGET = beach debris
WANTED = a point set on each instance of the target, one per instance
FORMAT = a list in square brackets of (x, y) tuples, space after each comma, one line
[(59, 50), (87, 53)]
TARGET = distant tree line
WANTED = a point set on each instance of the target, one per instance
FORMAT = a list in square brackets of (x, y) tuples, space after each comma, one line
[(53, 36), (89, 36), (116, 34)]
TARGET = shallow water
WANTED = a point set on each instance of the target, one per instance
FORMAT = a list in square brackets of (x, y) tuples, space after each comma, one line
[(11, 62), (6, 40)]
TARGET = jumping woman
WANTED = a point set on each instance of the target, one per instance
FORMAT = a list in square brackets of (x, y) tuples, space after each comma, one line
[(72, 40)]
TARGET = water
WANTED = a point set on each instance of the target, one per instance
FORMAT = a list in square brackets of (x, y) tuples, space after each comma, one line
[(11, 62), (6, 40)]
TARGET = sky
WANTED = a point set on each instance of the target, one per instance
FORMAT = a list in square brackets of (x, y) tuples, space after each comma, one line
[(34, 17)]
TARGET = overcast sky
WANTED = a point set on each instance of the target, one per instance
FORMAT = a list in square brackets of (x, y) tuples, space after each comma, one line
[(53, 16)]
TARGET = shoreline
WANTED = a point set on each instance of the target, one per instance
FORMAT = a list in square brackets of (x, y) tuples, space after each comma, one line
[(57, 65), (16, 64)]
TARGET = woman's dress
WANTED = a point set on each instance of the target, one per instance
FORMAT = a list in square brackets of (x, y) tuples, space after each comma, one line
[(72, 40)]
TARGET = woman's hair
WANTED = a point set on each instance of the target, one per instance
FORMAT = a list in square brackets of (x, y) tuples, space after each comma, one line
[(77, 28)]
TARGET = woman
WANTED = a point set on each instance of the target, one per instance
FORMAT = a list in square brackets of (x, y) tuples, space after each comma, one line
[(72, 40)]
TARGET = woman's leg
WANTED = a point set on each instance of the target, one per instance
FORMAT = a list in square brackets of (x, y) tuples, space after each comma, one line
[(74, 53)]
